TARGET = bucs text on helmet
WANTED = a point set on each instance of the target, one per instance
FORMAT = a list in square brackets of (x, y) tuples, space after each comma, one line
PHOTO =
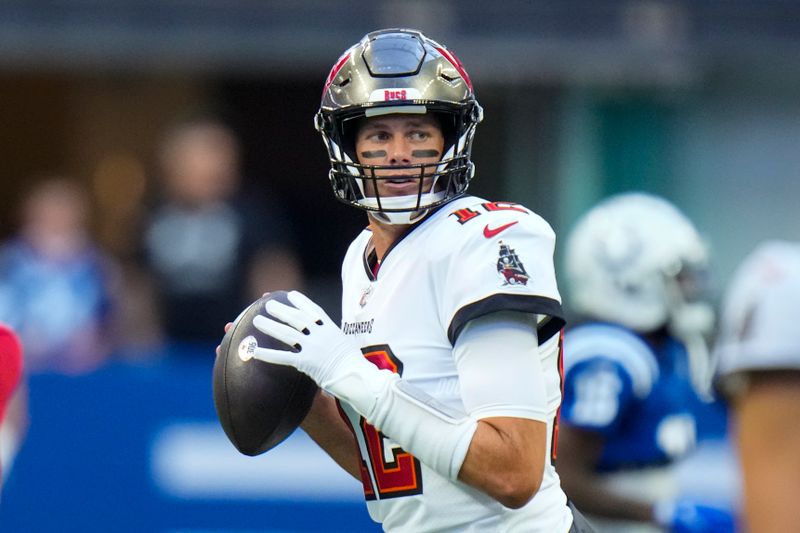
[(398, 71)]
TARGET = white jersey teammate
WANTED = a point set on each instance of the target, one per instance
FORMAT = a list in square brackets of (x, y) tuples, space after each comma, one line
[(758, 354), (447, 363)]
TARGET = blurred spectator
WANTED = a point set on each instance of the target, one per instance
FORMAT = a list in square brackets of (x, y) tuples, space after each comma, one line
[(636, 370), (56, 286), (211, 249), (758, 353), (13, 411)]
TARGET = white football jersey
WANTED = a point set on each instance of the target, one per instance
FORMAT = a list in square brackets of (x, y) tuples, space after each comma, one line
[(761, 312), (468, 259)]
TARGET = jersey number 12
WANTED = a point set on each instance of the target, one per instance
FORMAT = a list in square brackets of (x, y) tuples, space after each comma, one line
[(395, 471)]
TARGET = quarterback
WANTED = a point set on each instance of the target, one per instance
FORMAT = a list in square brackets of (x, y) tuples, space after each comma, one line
[(442, 384)]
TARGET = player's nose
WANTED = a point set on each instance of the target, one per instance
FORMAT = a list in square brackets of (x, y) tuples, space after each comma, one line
[(399, 152)]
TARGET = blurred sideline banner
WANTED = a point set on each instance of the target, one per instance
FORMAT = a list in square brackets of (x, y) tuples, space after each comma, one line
[(134, 448)]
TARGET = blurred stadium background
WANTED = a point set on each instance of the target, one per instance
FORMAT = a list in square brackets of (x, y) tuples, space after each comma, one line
[(698, 101)]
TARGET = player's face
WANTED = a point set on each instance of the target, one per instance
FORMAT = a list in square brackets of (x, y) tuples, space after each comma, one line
[(397, 141)]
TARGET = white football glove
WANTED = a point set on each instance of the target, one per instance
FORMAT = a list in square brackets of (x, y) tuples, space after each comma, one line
[(322, 350), (438, 436)]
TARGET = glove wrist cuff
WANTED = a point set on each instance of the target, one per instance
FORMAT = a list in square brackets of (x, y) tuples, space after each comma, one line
[(359, 383)]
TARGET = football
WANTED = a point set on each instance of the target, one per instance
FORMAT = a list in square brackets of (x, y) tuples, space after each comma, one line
[(258, 404)]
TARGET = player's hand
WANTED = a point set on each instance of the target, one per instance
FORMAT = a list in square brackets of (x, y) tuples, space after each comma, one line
[(228, 326), (321, 350), (683, 516)]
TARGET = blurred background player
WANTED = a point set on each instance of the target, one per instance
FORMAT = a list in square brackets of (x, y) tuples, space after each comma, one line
[(57, 287), (758, 354), (211, 248), (10, 376), (447, 364), (636, 370)]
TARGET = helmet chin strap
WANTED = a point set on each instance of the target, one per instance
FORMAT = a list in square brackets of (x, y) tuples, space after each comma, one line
[(399, 202), (398, 219)]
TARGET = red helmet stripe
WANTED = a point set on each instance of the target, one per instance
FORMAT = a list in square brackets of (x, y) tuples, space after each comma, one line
[(335, 70), (457, 64)]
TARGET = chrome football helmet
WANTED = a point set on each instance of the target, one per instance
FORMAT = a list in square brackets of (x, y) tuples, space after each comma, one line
[(398, 71), (636, 260)]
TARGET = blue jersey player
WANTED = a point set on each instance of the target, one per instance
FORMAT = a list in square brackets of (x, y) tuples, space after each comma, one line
[(636, 372)]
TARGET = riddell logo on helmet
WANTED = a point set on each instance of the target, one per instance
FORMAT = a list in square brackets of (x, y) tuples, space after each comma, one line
[(399, 94)]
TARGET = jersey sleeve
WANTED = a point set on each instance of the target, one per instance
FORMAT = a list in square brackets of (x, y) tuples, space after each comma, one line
[(516, 388), (503, 263)]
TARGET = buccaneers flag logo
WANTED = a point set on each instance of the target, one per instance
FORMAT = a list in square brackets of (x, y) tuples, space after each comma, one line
[(510, 267)]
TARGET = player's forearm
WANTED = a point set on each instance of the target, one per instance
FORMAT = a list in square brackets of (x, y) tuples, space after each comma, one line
[(506, 459), (325, 427)]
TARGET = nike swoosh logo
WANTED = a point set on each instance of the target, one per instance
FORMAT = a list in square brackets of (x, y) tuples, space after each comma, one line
[(491, 232)]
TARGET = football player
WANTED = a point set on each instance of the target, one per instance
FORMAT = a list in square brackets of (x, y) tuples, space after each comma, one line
[(446, 364), (637, 368), (758, 351)]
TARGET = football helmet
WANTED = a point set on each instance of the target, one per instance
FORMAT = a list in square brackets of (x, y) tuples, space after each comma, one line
[(398, 71), (636, 260)]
